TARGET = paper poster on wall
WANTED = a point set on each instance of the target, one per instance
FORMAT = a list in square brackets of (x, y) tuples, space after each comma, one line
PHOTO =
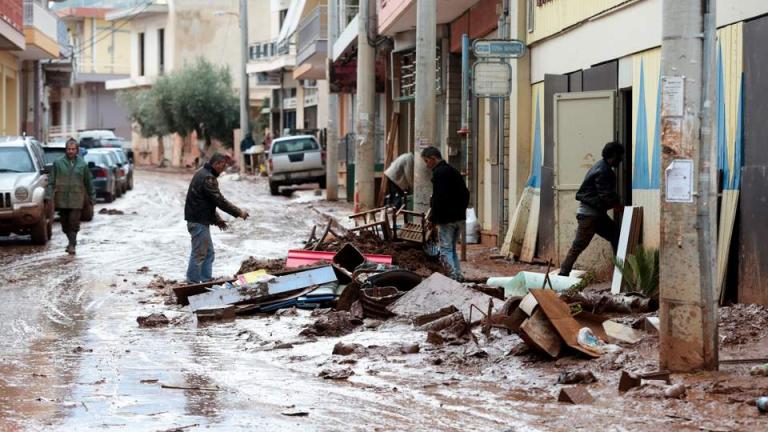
[(673, 96), (679, 181)]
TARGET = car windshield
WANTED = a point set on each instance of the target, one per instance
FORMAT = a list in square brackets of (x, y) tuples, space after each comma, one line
[(15, 159), (291, 146), (111, 142), (52, 154), (98, 159)]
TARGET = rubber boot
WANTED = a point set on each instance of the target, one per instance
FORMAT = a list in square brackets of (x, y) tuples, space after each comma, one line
[(72, 237)]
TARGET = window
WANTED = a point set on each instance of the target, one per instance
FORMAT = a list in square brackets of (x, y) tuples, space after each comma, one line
[(292, 146), (141, 54), (283, 14), (161, 50), (15, 159), (531, 14)]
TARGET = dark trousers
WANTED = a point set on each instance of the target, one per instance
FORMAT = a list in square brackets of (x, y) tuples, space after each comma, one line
[(70, 224), (601, 225)]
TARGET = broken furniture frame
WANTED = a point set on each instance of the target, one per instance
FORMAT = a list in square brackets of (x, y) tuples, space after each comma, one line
[(375, 221), (413, 231)]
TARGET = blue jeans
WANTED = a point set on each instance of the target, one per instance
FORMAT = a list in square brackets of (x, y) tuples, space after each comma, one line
[(448, 236), (200, 267)]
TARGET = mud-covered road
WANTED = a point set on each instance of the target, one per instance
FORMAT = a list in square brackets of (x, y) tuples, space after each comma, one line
[(72, 357)]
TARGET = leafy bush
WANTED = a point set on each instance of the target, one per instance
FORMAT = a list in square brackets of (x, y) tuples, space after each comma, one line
[(641, 271)]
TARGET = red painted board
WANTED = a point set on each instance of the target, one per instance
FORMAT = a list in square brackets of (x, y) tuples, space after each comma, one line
[(301, 257)]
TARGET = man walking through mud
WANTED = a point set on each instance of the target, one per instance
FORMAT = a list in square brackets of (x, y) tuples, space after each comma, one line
[(596, 196), (450, 198), (70, 184), (203, 197)]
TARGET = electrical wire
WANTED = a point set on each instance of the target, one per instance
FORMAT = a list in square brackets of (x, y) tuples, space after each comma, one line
[(112, 31)]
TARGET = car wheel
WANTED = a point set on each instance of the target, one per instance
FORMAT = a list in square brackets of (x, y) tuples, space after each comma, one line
[(40, 232), (130, 182), (109, 196), (321, 180), (274, 188)]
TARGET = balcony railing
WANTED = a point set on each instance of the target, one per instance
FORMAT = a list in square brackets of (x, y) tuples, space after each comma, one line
[(37, 15), (267, 50), (347, 12), (312, 30)]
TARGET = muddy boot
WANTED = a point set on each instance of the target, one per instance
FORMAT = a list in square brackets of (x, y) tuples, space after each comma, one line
[(72, 237)]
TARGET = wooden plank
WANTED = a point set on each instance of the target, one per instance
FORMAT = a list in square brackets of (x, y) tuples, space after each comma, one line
[(531, 231), (513, 244), (559, 314), (628, 241), (538, 332), (575, 395)]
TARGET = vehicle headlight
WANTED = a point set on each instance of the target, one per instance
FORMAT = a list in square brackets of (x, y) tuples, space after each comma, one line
[(21, 193)]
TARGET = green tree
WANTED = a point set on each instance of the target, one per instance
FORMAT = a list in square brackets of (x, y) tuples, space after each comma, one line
[(198, 97)]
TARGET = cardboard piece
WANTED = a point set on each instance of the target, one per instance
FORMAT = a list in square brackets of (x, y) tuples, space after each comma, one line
[(559, 314), (539, 333), (528, 304), (437, 292), (620, 333), (576, 395)]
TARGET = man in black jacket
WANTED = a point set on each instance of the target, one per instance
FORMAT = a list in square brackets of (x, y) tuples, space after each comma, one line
[(596, 196), (203, 197), (450, 198)]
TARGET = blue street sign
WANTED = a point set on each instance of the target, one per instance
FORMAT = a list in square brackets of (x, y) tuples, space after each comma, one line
[(498, 48)]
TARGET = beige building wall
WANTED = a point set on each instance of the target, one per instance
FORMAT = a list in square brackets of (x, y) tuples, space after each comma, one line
[(9, 94)]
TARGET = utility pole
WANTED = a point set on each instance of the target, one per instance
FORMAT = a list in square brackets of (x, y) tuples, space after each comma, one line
[(688, 336), (245, 127), (332, 128), (366, 114), (426, 41)]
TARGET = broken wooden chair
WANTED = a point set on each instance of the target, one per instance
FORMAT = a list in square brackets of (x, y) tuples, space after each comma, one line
[(375, 221), (414, 227)]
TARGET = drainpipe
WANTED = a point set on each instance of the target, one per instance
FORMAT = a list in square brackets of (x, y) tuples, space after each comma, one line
[(503, 34)]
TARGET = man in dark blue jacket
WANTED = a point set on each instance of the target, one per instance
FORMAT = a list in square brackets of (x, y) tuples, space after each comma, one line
[(450, 198), (203, 197), (596, 196)]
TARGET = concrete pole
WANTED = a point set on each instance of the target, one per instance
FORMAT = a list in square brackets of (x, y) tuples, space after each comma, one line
[(245, 127), (332, 128), (366, 114), (426, 45), (688, 336)]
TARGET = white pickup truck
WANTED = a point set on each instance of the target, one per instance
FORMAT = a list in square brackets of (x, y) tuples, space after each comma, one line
[(295, 160)]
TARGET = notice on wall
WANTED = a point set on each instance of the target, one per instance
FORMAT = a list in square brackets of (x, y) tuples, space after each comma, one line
[(679, 181), (672, 96)]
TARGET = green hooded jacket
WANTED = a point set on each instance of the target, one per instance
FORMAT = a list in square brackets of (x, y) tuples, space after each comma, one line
[(69, 182)]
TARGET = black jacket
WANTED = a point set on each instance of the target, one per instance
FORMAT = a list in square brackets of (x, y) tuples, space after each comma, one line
[(450, 196), (598, 190), (204, 196)]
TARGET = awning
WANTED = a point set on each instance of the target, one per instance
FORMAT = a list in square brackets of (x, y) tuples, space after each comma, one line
[(291, 22)]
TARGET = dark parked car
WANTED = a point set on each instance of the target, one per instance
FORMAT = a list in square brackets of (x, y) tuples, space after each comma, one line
[(121, 171), (104, 175), (124, 163)]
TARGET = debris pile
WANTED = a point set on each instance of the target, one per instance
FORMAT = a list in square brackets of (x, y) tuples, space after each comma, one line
[(111, 212)]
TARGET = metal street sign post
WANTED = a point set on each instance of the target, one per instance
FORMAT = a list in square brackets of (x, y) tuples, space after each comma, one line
[(499, 48)]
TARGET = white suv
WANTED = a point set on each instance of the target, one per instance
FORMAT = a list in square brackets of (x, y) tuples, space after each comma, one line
[(24, 208), (295, 160)]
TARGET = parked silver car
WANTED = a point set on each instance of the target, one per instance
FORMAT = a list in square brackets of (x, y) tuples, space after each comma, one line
[(295, 160), (24, 207)]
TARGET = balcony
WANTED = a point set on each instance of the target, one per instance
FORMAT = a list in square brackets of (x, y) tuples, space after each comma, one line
[(41, 31), (11, 34), (269, 56), (312, 42)]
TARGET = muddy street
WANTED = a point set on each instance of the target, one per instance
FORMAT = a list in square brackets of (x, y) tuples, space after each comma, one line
[(74, 359)]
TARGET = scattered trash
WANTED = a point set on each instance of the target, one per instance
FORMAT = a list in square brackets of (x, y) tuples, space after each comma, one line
[(676, 391), (144, 269), (620, 333), (336, 374), (295, 413), (559, 314), (608, 303), (589, 341), (519, 284), (762, 404), (376, 299), (215, 313), (582, 376), (106, 211), (335, 323), (576, 395), (436, 292), (538, 332), (343, 349), (652, 325), (761, 370), (629, 380), (153, 320), (410, 348)]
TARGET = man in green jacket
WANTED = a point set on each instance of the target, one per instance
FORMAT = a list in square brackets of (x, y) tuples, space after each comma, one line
[(70, 184)]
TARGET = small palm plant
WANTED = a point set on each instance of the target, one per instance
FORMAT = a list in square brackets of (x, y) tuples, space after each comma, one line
[(641, 271)]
